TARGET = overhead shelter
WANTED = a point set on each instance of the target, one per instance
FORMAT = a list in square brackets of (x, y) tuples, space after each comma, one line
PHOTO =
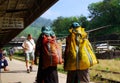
[(16, 15)]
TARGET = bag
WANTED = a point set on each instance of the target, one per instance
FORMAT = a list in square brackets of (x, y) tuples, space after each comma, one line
[(52, 51), (88, 57), (79, 53)]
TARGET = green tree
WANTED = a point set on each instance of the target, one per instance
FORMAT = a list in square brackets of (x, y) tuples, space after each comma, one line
[(62, 24), (105, 13)]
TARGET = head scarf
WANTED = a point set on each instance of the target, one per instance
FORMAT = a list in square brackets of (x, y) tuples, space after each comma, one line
[(47, 31), (75, 25)]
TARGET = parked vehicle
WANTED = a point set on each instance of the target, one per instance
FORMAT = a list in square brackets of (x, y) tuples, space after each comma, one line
[(104, 47)]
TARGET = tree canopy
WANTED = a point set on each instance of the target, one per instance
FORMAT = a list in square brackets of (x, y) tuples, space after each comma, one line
[(105, 13), (62, 24)]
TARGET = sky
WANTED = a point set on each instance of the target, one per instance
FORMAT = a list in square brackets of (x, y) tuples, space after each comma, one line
[(68, 8)]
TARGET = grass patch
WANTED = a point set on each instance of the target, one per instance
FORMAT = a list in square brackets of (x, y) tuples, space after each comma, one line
[(60, 68), (19, 56), (108, 65)]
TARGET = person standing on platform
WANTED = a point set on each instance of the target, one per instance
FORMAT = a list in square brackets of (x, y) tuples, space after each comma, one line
[(48, 51), (72, 58), (11, 52), (29, 49)]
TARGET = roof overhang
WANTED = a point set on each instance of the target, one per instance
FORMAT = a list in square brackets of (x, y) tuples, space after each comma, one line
[(16, 15)]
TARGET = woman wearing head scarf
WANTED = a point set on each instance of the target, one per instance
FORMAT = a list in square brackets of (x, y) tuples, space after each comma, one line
[(72, 56), (46, 73)]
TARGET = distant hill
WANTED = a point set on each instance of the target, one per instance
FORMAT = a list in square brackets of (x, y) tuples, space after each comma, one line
[(41, 22), (35, 27)]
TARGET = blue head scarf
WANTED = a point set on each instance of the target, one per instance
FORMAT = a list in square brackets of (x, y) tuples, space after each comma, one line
[(75, 25), (47, 31)]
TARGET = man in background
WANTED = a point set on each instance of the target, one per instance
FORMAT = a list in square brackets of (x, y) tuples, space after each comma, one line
[(29, 48)]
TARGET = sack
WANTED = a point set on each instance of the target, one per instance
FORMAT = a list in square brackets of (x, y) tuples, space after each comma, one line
[(88, 57), (79, 53), (52, 51)]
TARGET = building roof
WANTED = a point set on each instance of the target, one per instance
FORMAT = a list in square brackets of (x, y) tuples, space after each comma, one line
[(16, 15)]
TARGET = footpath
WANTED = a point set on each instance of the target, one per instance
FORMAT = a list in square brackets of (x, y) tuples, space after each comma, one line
[(17, 73)]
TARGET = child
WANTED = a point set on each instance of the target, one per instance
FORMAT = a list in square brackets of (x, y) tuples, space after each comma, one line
[(3, 62)]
